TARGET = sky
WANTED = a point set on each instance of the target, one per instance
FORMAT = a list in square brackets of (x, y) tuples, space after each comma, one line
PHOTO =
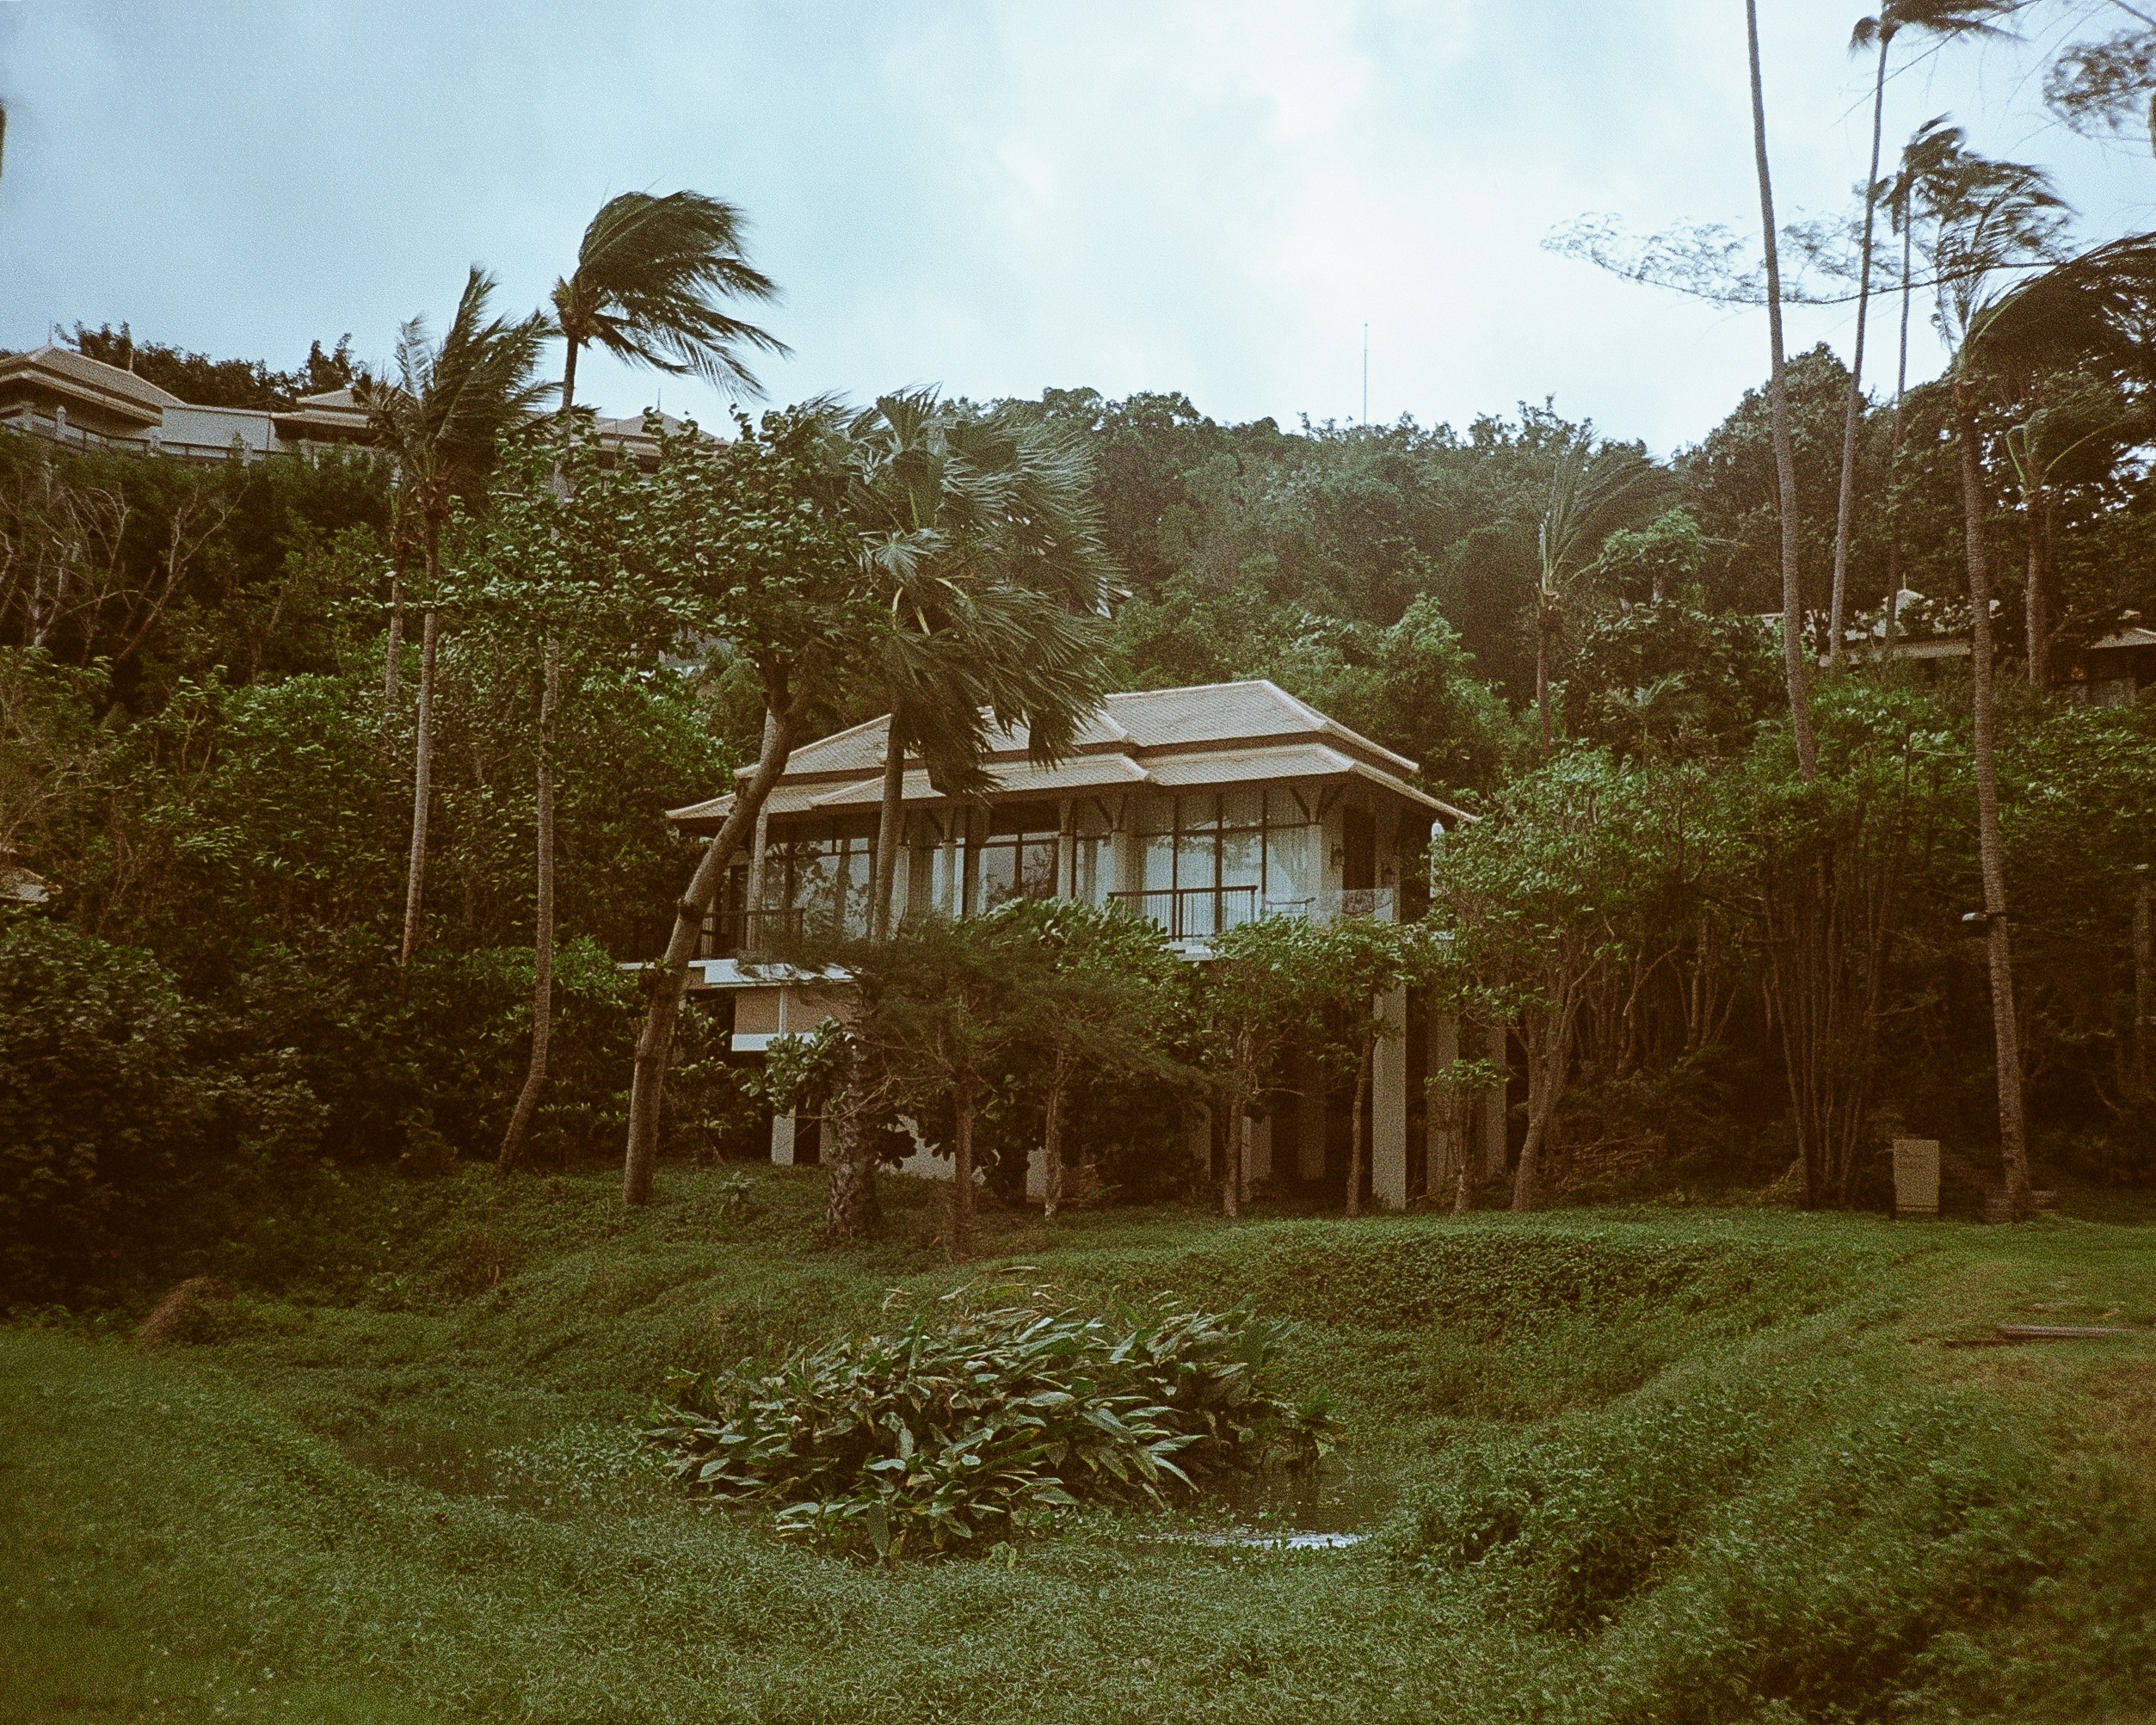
[(1213, 196)]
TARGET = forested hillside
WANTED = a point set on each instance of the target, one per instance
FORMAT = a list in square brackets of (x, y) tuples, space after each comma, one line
[(207, 763)]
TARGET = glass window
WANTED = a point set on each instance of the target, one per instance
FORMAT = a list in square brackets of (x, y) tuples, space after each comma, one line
[(1245, 808), (1159, 853), (1196, 856), (1290, 879), (1239, 858), (1019, 856)]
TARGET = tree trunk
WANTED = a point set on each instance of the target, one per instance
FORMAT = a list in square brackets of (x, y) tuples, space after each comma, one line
[(891, 823), (568, 378), (1846, 498), (542, 926), (1358, 1147), (2143, 1047), (655, 1043), (962, 1174), (853, 1209), (391, 659), (1784, 448), (2013, 1145), (1231, 1172), (423, 771), (2037, 613), (1893, 453), (1463, 1157), (1052, 1137), (1545, 1083), (1541, 666)]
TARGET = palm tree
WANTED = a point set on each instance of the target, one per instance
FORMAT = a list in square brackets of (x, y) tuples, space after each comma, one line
[(442, 421), (2073, 428), (977, 532), (1779, 417), (647, 278), (1592, 493), (1990, 218), (1941, 18)]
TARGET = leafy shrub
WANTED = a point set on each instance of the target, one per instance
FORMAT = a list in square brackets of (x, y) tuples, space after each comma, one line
[(122, 1134), (977, 1420)]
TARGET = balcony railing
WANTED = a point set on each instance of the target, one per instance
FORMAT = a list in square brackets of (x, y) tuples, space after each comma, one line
[(730, 934), (1193, 913)]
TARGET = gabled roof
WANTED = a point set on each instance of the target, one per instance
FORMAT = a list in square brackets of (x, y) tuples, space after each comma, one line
[(74, 374), (1208, 734)]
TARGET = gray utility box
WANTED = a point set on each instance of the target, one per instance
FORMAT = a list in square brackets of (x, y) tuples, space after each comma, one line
[(1916, 1176)]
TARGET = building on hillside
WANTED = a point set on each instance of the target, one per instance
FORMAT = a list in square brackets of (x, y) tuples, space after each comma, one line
[(65, 397), (1199, 807), (1933, 637)]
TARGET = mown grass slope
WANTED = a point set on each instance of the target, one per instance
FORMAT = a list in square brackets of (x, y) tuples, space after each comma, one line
[(1653, 1465)]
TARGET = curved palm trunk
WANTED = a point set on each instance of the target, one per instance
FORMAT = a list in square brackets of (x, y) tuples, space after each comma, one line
[(568, 378), (1894, 454), (655, 1043), (1779, 414), (1052, 1136), (2013, 1146), (542, 929), (1845, 499), (1358, 1150), (422, 774)]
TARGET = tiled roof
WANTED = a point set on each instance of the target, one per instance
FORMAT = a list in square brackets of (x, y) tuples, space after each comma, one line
[(1215, 734), (118, 388)]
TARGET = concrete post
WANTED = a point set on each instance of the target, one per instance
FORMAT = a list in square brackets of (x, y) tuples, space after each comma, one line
[(1444, 1049), (782, 1139), (1388, 1106)]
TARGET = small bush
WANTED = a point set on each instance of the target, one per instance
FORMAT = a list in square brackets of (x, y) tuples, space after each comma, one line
[(977, 1421)]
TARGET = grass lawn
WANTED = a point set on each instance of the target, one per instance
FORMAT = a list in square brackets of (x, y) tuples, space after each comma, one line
[(1657, 1464)]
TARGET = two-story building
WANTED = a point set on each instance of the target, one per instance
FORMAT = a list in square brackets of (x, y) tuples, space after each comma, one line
[(1199, 807)]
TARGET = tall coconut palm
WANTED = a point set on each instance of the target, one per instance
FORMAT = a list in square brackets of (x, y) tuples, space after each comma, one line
[(1592, 493), (1778, 419), (1938, 18), (646, 277), (649, 277), (977, 531), (442, 419), (1990, 219)]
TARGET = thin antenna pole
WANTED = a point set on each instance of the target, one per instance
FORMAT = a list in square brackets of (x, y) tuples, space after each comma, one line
[(1365, 374)]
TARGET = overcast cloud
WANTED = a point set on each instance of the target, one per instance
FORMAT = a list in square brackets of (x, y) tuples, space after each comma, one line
[(1208, 197)]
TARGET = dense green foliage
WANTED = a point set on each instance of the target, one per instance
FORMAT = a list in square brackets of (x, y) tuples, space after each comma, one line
[(200, 755), (978, 1421)]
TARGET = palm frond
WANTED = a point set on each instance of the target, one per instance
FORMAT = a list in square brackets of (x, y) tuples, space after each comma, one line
[(649, 278)]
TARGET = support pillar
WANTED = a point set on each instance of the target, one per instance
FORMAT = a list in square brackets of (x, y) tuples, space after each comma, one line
[(1441, 1147), (1388, 1106), (782, 1139)]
